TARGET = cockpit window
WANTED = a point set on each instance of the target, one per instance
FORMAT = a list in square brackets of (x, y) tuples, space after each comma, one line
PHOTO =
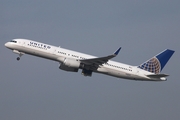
[(13, 41)]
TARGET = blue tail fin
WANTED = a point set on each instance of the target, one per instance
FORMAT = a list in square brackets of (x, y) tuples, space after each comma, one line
[(157, 63)]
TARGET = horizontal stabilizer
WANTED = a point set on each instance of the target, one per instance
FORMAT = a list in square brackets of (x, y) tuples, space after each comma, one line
[(157, 75)]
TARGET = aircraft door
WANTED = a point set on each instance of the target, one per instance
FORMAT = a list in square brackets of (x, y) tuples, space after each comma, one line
[(54, 51), (137, 72), (22, 43)]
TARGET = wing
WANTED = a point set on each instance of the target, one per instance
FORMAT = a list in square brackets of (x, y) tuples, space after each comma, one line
[(95, 62)]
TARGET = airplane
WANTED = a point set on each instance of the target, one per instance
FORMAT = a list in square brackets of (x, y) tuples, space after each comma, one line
[(72, 61)]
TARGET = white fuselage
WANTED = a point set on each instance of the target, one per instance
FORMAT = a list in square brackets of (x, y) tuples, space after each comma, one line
[(58, 54)]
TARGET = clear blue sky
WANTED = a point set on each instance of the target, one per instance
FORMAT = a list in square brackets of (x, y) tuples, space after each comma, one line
[(35, 89)]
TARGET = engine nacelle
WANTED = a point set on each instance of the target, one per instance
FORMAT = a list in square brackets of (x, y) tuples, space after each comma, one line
[(66, 68), (71, 63)]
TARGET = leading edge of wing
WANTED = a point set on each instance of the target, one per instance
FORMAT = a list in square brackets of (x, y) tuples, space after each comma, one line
[(100, 60)]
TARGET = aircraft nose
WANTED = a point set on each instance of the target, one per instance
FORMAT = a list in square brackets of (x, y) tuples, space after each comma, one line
[(6, 44)]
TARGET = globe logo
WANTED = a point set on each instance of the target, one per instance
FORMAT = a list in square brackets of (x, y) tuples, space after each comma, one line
[(152, 65)]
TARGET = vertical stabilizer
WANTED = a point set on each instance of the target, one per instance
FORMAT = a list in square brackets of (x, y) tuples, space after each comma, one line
[(157, 63)]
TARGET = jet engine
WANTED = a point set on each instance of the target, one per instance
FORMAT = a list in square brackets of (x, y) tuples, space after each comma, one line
[(71, 65)]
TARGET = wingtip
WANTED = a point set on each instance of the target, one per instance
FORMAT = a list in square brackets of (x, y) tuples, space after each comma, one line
[(117, 51)]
